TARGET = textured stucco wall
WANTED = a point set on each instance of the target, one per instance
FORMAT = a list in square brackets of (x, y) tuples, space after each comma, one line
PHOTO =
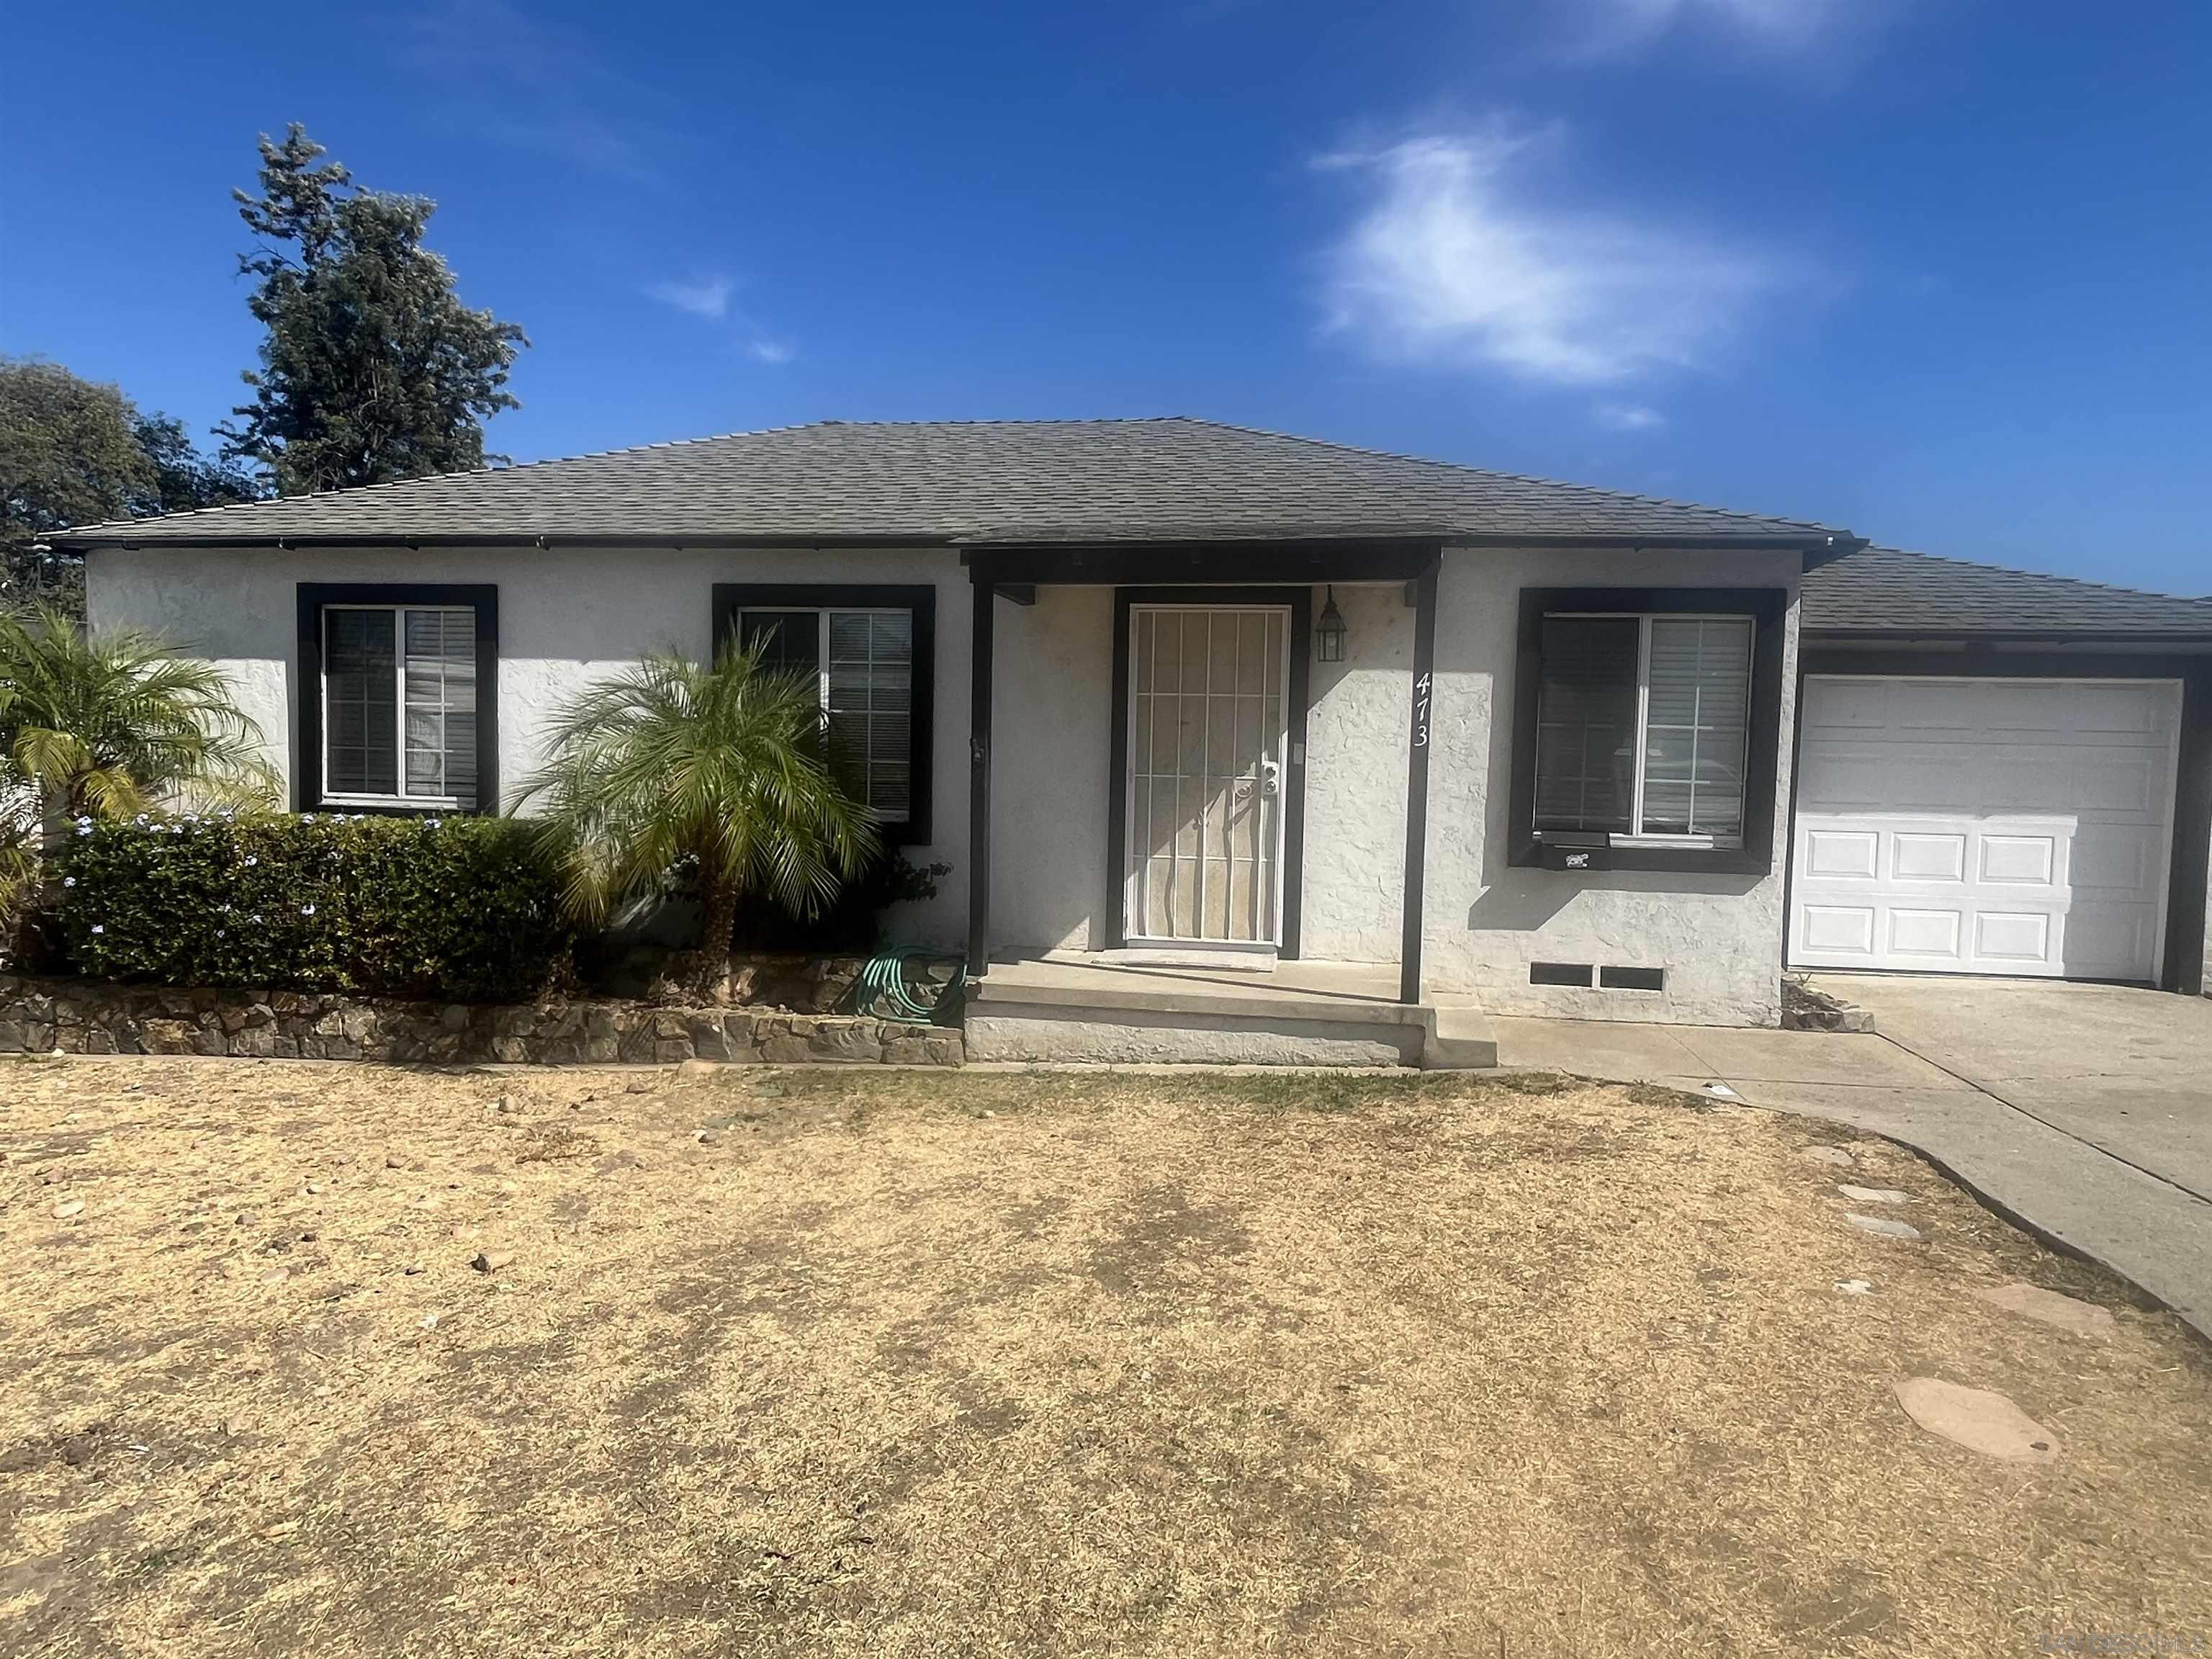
[(1051, 739), (1719, 938), (1356, 736), (567, 616)]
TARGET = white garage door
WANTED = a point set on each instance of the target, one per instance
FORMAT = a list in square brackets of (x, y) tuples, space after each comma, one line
[(1983, 826)]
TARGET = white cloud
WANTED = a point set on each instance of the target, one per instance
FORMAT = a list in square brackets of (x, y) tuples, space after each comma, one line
[(708, 297), (537, 87), (1603, 28), (774, 353), (1453, 259), (1628, 417)]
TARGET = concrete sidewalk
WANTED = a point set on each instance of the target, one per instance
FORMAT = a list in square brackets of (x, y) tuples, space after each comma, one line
[(2055, 1184)]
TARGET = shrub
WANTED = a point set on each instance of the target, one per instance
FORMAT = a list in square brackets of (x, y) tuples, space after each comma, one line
[(462, 908)]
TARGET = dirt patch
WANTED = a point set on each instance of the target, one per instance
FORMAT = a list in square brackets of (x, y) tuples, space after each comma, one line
[(903, 1364)]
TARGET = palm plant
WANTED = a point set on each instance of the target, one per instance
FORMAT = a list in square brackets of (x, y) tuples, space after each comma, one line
[(106, 726), (722, 767)]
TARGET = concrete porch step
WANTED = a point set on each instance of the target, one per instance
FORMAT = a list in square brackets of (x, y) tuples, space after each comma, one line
[(1109, 1009)]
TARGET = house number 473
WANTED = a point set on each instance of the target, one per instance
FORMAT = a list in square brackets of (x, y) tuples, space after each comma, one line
[(1421, 713)]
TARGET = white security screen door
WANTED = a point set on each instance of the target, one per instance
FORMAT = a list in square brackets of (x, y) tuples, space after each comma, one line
[(1984, 826), (1209, 692)]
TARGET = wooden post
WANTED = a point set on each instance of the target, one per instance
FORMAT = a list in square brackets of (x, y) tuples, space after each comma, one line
[(979, 781), (1417, 780)]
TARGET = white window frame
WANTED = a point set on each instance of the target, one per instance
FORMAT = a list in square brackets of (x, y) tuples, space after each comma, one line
[(338, 798), (822, 614), (1635, 837)]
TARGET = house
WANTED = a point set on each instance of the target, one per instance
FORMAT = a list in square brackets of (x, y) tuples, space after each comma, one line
[(1245, 746)]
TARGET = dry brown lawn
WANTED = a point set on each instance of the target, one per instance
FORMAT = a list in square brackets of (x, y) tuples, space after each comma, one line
[(905, 1364)]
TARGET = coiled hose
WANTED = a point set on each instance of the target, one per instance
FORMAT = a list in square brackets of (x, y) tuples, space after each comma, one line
[(882, 982)]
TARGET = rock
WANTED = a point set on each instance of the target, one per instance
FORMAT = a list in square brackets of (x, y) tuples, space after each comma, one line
[(491, 1261), (1854, 1288), (2082, 1318), (411, 1269), (1977, 1419), (504, 1103), (698, 1071), (68, 1207), (276, 1275), (705, 1137), (393, 1161), (639, 1086), (313, 1188), (1831, 1155), (428, 1322), (1883, 1226), (1873, 1194)]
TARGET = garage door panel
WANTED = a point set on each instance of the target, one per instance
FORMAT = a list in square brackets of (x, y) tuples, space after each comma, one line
[(1842, 855), (2019, 860), (2117, 859), (1983, 826), (1926, 933), (1843, 930), (1928, 855)]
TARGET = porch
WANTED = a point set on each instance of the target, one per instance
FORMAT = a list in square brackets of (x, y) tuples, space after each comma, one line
[(1106, 1007)]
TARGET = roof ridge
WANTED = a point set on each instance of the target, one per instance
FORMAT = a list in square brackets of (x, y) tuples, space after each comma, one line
[(1492, 472), (2038, 575)]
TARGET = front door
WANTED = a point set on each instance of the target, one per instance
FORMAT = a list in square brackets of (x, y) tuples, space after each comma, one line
[(1209, 689)]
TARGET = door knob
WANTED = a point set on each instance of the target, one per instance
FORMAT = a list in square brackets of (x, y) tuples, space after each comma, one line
[(1271, 777)]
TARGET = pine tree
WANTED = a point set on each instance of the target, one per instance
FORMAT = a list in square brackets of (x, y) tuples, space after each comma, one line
[(372, 368)]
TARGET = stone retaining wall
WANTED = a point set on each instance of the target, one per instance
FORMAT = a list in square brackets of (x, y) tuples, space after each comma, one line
[(93, 1017)]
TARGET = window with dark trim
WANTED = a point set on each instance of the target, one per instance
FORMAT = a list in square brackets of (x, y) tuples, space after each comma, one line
[(397, 703), (871, 650), (1652, 717)]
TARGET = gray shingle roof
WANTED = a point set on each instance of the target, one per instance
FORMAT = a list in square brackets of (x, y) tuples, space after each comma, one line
[(969, 482), (1886, 591)]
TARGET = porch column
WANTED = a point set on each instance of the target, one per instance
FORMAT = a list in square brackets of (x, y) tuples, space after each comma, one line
[(979, 781), (1417, 782)]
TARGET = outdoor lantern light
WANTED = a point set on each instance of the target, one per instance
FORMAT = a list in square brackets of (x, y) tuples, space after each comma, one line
[(1329, 631)]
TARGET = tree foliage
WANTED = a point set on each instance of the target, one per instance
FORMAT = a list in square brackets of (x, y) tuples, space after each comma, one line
[(372, 369), (669, 766), (105, 726), (75, 451)]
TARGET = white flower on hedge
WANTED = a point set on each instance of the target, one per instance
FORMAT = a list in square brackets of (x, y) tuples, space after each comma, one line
[(68, 881), (306, 817), (97, 928), (252, 859), (306, 909), (84, 828)]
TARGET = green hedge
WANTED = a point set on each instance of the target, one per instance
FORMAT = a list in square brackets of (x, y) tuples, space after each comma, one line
[(462, 908)]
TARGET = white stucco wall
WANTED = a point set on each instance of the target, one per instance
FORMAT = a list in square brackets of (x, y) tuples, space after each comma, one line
[(571, 615), (1052, 742), (1719, 938), (567, 616), (1355, 737)]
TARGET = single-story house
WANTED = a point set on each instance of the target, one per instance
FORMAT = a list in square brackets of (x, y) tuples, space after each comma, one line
[(1223, 729)]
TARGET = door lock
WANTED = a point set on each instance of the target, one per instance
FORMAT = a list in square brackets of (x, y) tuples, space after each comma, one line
[(1270, 777)]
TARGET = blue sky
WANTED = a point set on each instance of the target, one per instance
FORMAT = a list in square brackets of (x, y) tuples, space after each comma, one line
[(1936, 271)]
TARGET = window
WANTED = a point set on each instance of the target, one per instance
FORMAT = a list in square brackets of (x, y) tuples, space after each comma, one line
[(1642, 724), (1651, 716), (395, 700), (863, 660), (868, 650)]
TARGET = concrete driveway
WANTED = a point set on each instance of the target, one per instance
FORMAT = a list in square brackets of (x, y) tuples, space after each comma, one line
[(2126, 1070), (2082, 1112)]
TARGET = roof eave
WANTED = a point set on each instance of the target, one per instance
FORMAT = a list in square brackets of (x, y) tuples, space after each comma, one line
[(1808, 541)]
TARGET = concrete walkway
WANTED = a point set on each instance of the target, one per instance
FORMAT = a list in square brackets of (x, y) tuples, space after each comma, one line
[(2050, 1150)]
